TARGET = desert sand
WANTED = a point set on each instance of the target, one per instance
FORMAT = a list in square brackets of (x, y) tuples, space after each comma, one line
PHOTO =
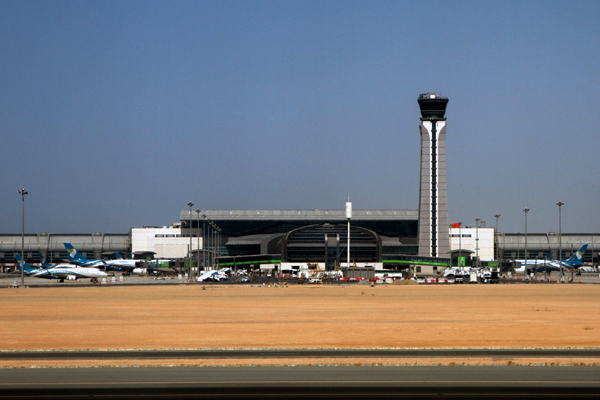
[(324, 316)]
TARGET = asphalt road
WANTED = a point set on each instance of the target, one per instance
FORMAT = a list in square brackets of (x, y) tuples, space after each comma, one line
[(302, 382)]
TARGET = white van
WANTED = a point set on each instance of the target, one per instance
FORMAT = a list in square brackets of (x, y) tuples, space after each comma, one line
[(473, 277)]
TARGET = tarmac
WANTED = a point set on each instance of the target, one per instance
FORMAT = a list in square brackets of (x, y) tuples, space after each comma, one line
[(8, 280), (302, 382)]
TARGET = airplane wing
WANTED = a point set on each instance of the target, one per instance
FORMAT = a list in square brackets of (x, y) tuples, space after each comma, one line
[(44, 274), (122, 264), (549, 266)]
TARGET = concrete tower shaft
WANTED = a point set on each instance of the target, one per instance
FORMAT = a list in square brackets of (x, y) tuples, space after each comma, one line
[(433, 235)]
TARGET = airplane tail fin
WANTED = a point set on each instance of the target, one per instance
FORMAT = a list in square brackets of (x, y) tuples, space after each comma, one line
[(74, 255), (24, 265), (577, 257), (118, 256), (43, 263)]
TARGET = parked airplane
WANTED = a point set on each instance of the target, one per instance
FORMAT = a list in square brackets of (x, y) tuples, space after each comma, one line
[(44, 263), (108, 265), (553, 265), (62, 272), (136, 270)]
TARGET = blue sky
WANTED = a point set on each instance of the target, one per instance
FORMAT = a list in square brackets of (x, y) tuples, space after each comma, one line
[(115, 114)]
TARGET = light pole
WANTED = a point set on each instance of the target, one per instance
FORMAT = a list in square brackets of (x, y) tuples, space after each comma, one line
[(208, 242), (204, 242), (348, 217), (211, 234), (526, 210), (560, 204), (572, 257), (460, 245), (592, 250), (190, 266), (477, 241), (198, 211), (214, 253), (214, 243), (219, 241), (23, 193), (497, 216)]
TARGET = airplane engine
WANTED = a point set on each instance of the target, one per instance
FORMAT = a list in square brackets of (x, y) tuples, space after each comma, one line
[(140, 271), (71, 277)]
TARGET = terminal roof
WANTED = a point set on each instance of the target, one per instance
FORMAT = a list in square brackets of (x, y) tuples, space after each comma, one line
[(305, 215)]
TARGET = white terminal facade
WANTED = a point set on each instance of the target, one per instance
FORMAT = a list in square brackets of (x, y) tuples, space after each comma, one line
[(469, 239), (174, 241), (167, 241)]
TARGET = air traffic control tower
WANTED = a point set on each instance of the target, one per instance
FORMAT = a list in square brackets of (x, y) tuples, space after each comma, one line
[(433, 232)]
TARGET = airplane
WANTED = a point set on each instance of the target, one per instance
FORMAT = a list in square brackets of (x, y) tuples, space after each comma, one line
[(61, 272), (108, 265), (553, 265), (136, 270)]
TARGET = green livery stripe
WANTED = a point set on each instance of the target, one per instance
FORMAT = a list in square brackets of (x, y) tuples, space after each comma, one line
[(249, 262), (440, 264)]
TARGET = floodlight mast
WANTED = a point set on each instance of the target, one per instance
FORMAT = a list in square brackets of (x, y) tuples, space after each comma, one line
[(348, 217), (477, 241), (190, 265), (497, 216), (204, 242), (460, 244), (560, 204), (526, 210), (23, 193), (198, 211)]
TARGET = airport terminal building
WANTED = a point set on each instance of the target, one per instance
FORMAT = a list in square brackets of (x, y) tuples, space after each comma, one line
[(287, 237), (284, 239), (383, 239)]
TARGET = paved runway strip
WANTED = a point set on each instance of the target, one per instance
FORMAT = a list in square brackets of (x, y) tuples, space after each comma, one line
[(303, 382)]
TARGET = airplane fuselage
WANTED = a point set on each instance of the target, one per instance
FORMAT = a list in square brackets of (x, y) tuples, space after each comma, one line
[(67, 271)]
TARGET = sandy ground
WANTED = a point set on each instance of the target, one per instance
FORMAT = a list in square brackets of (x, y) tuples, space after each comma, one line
[(327, 316)]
